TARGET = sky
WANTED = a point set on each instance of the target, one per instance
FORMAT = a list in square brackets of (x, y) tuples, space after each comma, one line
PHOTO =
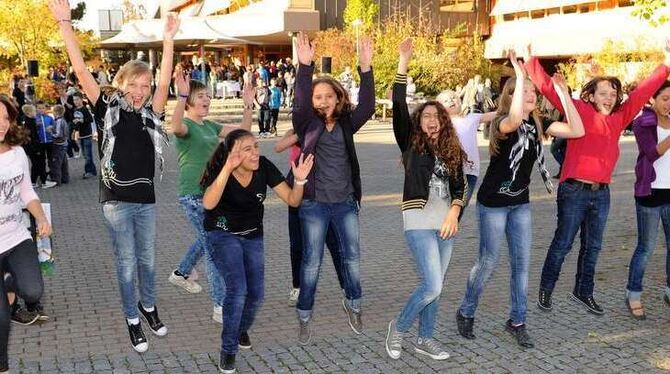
[(90, 20)]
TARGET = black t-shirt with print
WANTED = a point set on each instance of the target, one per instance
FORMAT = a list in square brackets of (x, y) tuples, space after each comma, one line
[(240, 210), (501, 185), (130, 177)]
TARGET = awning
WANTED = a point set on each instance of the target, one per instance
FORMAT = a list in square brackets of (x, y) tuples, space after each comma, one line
[(266, 21), (567, 35), (516, 6)]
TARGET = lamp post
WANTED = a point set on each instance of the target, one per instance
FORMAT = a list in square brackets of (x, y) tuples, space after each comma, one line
[(357, 25)]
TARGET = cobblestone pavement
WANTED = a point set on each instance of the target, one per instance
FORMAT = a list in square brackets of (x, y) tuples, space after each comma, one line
[(87, 332)]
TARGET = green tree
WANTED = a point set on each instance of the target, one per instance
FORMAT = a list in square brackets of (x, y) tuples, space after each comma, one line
[(364, 10), (653, 11)]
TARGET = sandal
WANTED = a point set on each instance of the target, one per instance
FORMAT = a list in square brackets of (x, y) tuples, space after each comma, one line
[(636, 310)]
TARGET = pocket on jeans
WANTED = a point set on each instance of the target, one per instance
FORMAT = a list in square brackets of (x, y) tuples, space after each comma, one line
[(354, 204), (567, 189)]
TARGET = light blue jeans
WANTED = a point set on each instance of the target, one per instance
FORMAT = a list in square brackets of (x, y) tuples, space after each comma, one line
[(192, 205), (514, 223), (432, 255), (132, 227)]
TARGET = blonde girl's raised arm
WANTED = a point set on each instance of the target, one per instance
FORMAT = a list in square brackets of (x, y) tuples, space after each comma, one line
[(163, 85)]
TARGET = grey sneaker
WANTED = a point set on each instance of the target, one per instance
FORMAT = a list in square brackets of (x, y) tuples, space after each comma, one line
[(393, 341), (181, 281), (293, 296), (430, 348), (304, 332), (354, 318)]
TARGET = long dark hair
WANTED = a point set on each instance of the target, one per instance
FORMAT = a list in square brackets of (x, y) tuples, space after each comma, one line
[(16, 135), (220, 156), (343, 103), (448, 147), (590, 89)]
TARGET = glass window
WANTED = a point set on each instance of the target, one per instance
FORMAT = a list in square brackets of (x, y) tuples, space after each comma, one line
[(457, 5)]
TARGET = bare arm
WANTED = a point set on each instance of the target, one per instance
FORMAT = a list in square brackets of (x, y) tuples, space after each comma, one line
[(287, 141), (163, 86), (515, 117), (182, 81), (61, 11), (488, 116), (574, 128)]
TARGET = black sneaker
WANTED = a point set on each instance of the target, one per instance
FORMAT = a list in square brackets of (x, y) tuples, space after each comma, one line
[(23, 316), (227, 364), (155, 324), (39, 309), (137, 338), (589, 303), (245, 342), (519, 332), (465, 325), (354, 318), (544, 300)]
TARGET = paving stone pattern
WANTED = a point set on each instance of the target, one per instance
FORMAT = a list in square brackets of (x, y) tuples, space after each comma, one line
[(87, 333)]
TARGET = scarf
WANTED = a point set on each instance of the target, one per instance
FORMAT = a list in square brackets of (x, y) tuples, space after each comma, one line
[(152, 123), (528, 136)]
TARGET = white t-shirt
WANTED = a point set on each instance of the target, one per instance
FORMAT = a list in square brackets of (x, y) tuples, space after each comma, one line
[(662, 165), (466, 128), (16, 190)]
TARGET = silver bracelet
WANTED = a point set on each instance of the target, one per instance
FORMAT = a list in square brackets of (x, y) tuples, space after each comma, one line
[(301, 183)]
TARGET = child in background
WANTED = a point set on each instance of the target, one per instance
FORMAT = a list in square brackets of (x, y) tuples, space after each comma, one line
[(58, 166)]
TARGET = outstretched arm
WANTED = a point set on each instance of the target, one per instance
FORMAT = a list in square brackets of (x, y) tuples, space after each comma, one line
[(366, 94), (61, 11), (287, 141), (163, 86), (541, 79), (182, 81), (515, 117), (574, 128), (401, 120), (303, 111)]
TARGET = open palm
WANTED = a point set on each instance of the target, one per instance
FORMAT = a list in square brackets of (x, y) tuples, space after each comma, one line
[(60, 9), (301, 171), (406, 48), (235, 158), (171, 26), (305, 49), (182, 81)]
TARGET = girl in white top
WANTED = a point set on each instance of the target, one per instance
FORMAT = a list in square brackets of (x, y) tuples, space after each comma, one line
[(18, 253)]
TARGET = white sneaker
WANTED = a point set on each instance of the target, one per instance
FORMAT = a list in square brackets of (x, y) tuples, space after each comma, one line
[(48, 184), (187, 284), (293, 296), (217, 314)]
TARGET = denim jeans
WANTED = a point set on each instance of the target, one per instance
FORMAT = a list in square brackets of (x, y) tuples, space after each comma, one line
[(316, 218), (295, 242), (21, 262), (513, 222), (648, 219), (241, 263), (58, 165), (192, 205), (577, 209), (431, 254), (132, 227), (87, 151)]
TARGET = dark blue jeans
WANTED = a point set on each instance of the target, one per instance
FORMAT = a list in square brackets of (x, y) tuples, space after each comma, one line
[(87, 150), (295, 242), (648, 219), (316, 218), (578, 209), (241, 263)]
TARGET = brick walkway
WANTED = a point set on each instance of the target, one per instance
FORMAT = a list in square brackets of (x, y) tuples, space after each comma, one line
[(87, 332)]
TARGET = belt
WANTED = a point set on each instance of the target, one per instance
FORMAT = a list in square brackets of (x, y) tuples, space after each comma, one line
[(587, 186)]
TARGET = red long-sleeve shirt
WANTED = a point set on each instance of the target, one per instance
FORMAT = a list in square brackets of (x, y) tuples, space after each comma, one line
[(593, 156)]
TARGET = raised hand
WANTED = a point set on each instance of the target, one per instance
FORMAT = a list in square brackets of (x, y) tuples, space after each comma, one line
[(560, 82), (301, 171), (234, 159), (365, 51), (526, 53), (305, 49), (518, 67), (171, 26), (248, 93), (406, 48), (182, 80), (666, 52), (60, 9)]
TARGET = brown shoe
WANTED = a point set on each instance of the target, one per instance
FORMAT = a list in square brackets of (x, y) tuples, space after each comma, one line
[(636, 310)]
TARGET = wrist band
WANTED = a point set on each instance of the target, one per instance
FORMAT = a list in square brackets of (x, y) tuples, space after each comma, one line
[(183, 96), (301, 183), (249, 106)]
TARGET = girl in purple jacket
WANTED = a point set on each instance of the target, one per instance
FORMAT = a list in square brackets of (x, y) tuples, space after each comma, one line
[(652, 194)]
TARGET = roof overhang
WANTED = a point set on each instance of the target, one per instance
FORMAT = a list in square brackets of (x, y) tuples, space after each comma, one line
[(517, 6)]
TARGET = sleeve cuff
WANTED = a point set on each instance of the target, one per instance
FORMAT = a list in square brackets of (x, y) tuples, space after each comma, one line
[(401, 78), (458, 202)]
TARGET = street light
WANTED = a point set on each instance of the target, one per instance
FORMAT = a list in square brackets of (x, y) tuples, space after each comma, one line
[(357, 25)]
